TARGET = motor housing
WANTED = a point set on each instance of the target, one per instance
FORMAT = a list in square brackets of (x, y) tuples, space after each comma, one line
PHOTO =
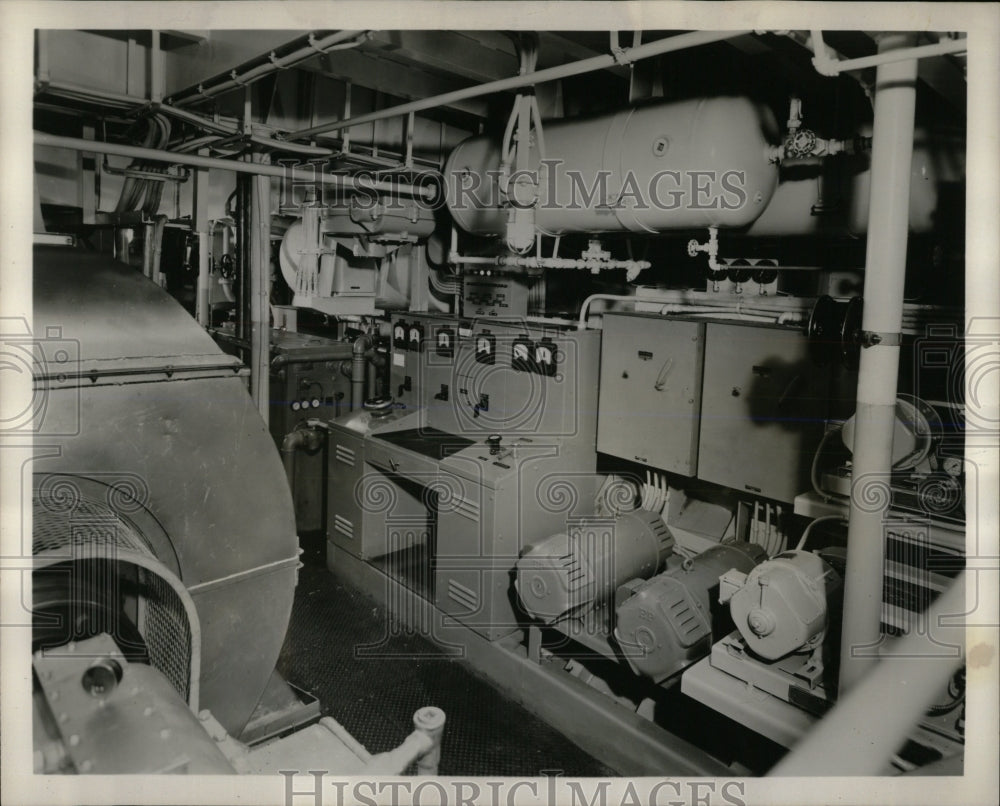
[(567, 572), (666, 623)]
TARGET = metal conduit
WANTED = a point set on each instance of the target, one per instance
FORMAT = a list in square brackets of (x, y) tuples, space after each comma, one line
[(66, 89), (625, 56), (257, 169), (885, 272)]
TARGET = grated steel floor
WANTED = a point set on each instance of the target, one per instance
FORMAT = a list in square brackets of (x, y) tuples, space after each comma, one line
[(375, 697)]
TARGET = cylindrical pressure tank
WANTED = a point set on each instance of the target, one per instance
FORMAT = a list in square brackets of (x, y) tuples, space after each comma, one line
[(684, 165), (781, 606), (566, 573), (830, 196), (666, 623)]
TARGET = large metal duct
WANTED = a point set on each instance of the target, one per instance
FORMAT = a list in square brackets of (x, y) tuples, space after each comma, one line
[(147, 442)]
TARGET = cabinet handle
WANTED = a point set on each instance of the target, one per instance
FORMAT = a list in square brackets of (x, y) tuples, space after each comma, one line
[(661, 379)]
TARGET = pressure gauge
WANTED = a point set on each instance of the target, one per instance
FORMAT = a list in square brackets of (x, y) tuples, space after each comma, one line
[(444, 342), (399, 335), (520, 357), (545, 356), (486, 347), (416, 340)]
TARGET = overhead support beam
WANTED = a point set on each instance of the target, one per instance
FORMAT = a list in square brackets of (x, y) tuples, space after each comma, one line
[(625, 56), (453, 53), (384, 75), (882, 321)]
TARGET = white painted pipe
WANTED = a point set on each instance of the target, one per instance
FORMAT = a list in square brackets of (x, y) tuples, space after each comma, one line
[(828, 66), (236, 166), (626, 55), (892, 147)]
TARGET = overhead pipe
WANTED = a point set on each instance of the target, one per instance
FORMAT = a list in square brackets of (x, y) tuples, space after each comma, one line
[(227, 129), (66, 89), (256, 169), (602, 62), (885, 273), (224, 82), (829, 66)]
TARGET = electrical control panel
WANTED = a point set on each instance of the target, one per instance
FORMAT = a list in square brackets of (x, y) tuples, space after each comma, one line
[(651, 378), (306, 383), (494, 296), (519, 378)]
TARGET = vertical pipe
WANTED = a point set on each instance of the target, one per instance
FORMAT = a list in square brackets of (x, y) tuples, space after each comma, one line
[(148, 231), (885, 272), (202, 309), (260, 288), (155, 69), (243, 260)]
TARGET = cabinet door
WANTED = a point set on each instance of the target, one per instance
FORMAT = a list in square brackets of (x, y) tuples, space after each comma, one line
[(763, 408), (651, 391)]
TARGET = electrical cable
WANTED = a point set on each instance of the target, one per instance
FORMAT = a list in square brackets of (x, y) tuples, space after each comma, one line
[(826, 495), (800, 546)]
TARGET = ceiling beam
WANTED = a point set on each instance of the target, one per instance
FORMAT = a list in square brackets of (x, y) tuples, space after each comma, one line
[(457, 54), (392, 78)]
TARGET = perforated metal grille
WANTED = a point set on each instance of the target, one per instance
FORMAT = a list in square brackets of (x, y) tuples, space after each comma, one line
[(72, 527), (164, 626), (60, 525)]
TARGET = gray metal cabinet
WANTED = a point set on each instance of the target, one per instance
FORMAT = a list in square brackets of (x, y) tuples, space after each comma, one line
[(763, 407), (651, 391)]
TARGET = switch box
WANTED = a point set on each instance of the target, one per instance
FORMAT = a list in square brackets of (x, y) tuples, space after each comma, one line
[(764, 405), (651, 376)]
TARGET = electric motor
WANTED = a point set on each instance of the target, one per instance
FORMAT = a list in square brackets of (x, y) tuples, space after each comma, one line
[(566, 573), (666, 623), (782, 605)]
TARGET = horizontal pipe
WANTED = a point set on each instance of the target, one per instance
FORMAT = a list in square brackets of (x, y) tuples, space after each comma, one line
[(831, 67), (68, 89), (547, 262), (254, 168), (602, 62)]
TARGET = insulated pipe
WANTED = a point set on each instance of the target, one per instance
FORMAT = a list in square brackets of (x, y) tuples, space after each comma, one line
[(294, 441), (260, 289), (827, 66), (624, 56), (277, 172), (885, 273)]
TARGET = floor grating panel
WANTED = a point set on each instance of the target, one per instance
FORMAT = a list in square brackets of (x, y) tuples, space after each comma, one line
[(375, 697)]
